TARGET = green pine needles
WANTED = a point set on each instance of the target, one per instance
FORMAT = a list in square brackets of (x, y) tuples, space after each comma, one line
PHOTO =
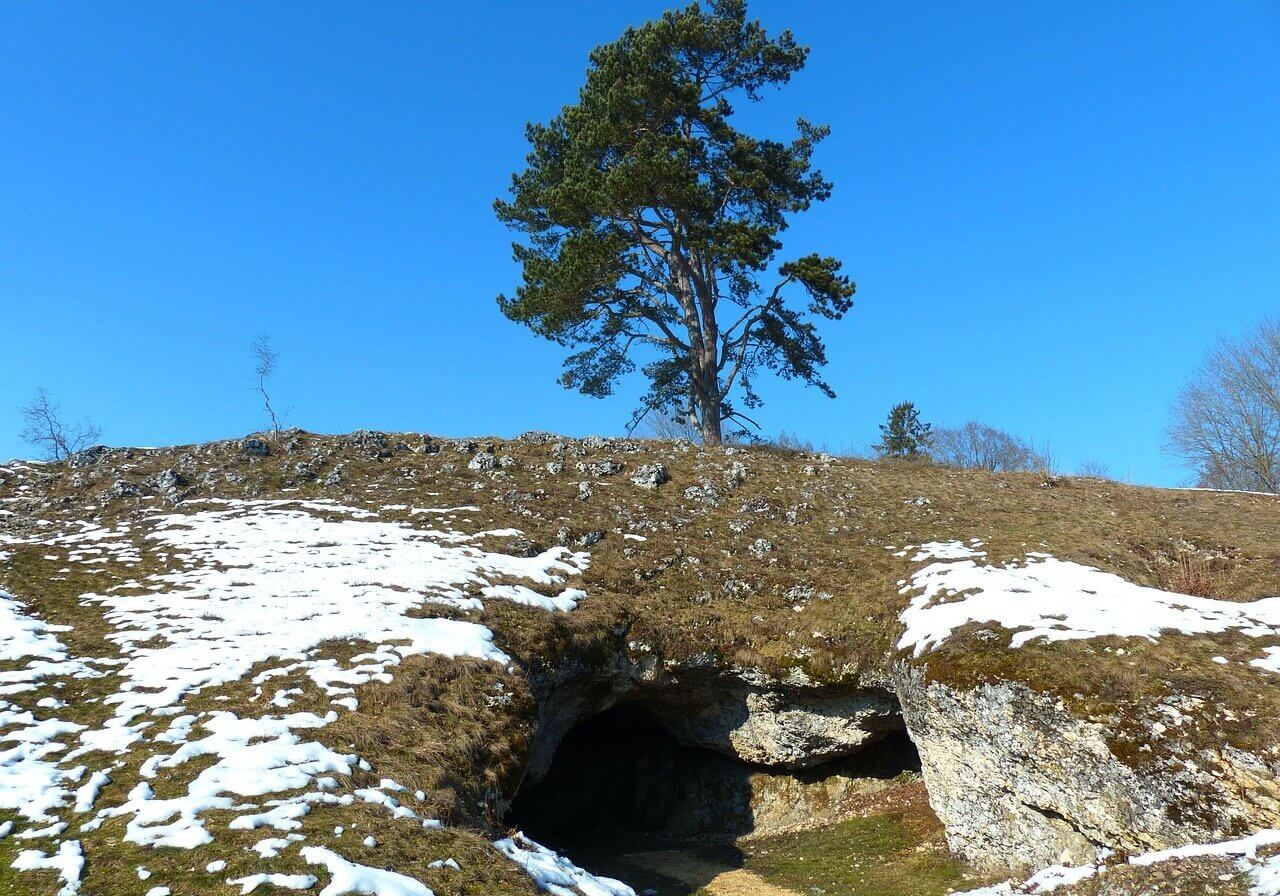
[(904, 434), (651, 224)]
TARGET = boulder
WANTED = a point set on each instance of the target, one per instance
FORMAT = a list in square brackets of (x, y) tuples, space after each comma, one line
[(1019, 780), (651, 476), (255, 447)]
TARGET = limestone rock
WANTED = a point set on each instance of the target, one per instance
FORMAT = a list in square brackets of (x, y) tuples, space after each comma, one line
[(255, 447), (1019, 781), (651, 476)]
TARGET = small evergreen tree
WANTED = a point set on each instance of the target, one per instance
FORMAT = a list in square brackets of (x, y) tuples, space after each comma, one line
[(904, 435)]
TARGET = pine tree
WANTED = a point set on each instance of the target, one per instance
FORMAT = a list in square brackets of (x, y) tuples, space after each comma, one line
[(903, 435), (649, 222)]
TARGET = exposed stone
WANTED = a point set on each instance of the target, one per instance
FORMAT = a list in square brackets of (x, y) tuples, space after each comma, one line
[(169, 479), (651, 475), (124, 489), (704, 493), (537, 437), (606, 467), (88, 456), (752, 718), (483, 462), (1019, 781), (735, 475), (255, 447), (371, 444), (782, 728)]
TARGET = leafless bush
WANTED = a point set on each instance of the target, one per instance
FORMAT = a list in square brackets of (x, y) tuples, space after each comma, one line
[(785, 443), (265, 358), (979, 446), (1226, 421), (789, 441), (1093, 469), (1189, 574), (669, 429), (44, 428)]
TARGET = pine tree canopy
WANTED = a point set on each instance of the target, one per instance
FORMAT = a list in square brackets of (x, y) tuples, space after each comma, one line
[(650, 223), (904, 434)]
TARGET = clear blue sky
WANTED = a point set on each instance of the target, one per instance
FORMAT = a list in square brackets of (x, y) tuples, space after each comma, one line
[(1051, 211)]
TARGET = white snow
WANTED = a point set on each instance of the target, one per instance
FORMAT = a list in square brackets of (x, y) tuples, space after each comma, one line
[(272, 846), (349, 877), (259, 571), (556, 874), (1245, 847), (284, 881), (1056, 600), (1265, 874), (1265, 877), (251, 582), (87, 795), (68, 861)]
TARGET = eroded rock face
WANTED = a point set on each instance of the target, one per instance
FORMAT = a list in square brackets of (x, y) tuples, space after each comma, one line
[(1018, 781), (759, 721), (623, 776), (779, 727)]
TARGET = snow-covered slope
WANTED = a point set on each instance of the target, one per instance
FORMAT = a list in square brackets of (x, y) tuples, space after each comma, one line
[(251, 585)]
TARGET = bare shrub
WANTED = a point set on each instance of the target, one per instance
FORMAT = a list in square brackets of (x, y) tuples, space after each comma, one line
[(669, 429), (981, 447), (265, 358), (788, 443), (1226, 421), (1189, 574), (45, 429)]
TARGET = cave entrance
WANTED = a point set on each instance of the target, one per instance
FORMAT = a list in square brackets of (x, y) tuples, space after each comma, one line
[(620, 785), (621, 775)]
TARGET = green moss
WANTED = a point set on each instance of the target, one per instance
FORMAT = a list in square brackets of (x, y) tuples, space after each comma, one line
[(881, 855)]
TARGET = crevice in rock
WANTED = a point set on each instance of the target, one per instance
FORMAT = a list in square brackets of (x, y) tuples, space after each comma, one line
[(1057, 819)]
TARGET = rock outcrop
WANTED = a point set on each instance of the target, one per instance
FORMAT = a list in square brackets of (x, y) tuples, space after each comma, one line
[(779, 726), (1019, 781)]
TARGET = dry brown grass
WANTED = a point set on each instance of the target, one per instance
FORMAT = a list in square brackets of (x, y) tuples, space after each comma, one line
[(694, 589)]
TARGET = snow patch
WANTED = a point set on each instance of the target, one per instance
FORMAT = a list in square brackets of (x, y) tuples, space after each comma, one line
[(349, 877), (253, 582), (1057, 600), (556, 874)]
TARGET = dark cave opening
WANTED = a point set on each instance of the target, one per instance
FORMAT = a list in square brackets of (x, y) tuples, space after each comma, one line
[(620, 782)]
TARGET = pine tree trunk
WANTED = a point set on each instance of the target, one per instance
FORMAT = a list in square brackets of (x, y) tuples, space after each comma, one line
[(709, 419)]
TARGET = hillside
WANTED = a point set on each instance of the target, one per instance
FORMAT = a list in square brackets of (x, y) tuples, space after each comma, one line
[(359, 664)]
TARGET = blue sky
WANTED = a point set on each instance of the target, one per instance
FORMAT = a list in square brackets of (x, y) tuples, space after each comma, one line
[(1051, 211)]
